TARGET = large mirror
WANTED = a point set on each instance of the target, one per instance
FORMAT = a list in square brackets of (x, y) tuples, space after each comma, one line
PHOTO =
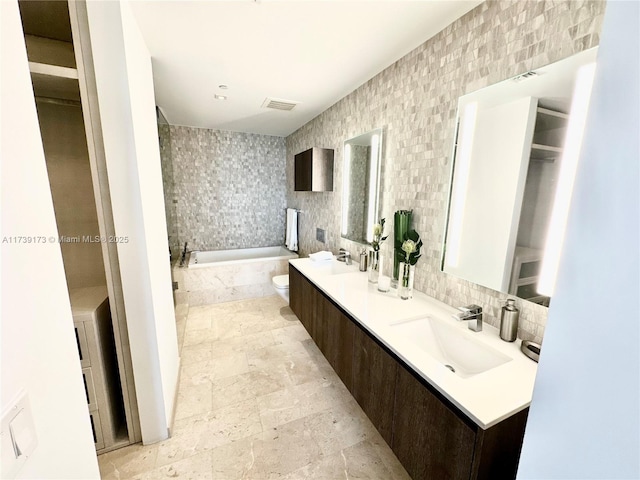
[(515, 153), (361, 186)]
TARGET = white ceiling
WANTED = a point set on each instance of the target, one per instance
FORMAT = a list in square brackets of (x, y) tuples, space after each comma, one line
[(309, 51)]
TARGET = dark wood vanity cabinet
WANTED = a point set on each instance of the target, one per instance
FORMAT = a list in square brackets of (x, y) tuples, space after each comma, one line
[(302, 299), (374, 373), (336, 334), (431, 437), (328, 326)]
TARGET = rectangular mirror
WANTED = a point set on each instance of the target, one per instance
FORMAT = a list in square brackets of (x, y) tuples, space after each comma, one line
[(515, 150), (361, 186)]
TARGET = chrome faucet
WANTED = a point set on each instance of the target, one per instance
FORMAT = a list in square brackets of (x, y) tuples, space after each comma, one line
[(183, 257), (471, 314), (344, 256)]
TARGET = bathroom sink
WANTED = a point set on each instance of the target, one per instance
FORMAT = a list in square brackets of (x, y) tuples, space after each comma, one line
[(335, 267), (458, 351)]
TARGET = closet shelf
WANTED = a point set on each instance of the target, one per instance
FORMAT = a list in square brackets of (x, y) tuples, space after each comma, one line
[(53, 81), (553, 113), (53, 70), (545, 152)]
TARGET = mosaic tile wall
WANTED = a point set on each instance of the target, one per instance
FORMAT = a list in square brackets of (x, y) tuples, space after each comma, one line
[(415, 100), (164, 135), (223, 190)]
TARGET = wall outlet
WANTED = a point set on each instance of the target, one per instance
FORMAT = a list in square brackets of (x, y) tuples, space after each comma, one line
[(320, 235)]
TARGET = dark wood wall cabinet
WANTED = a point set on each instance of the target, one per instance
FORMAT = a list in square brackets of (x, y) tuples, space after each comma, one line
[(432, 438), (313, 170)]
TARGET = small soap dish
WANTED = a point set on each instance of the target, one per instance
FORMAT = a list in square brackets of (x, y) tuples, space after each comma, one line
[(531, 349)]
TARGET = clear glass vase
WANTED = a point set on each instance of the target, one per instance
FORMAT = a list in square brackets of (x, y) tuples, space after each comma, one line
[(375, 265), (405, 282)]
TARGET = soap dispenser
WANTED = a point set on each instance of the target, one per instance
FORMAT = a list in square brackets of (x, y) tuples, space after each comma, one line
[(363, 260), (509, 321)]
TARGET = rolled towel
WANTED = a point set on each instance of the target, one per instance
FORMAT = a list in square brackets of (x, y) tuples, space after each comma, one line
[(291, 236), (321, 256)]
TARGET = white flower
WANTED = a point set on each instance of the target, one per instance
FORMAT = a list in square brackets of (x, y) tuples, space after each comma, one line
[(409, 246), (377, 229)]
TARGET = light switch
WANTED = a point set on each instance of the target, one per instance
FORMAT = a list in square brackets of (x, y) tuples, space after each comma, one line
[(22, 434), (18, 436)]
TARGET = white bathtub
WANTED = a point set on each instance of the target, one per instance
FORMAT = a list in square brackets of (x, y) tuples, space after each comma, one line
[(226, 275), (242, 255)]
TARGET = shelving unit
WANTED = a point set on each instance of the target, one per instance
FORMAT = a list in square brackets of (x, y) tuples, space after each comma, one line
[(56, 39), (548, 136), (92, 324), (524, 276), (546, 153)]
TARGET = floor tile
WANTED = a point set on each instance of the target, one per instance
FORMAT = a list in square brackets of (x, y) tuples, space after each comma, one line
[(257, 400), (356, 462)]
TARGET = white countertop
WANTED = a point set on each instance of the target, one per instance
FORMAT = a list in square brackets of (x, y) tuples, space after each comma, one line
[(487, 398), (85, 300)]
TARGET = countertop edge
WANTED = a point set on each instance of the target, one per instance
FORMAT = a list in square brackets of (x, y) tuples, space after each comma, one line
[(483, 421)]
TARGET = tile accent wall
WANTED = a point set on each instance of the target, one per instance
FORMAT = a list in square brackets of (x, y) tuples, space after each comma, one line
[(170, 202), (414, 101), (223, 190)]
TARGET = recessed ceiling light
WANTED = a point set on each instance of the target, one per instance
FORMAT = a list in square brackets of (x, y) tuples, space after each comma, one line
[(220, 97), (222, 86)]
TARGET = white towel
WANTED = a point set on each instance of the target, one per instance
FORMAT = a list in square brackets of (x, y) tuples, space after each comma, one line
[(321, 256), (291, 237)]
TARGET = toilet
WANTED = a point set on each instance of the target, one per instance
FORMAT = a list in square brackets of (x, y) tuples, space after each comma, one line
[(281, 284)]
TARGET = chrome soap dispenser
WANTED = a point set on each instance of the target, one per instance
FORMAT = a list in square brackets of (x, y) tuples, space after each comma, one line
[(509, 321), (363, 260)]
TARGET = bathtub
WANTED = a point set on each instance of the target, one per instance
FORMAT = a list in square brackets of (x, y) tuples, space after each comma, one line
[(227, 275), (242, 255)]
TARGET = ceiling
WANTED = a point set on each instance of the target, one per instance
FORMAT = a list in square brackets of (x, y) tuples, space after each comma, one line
[(311, 52)]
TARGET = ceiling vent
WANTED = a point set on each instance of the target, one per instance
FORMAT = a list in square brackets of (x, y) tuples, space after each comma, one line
[(278, 104), (524, 76)]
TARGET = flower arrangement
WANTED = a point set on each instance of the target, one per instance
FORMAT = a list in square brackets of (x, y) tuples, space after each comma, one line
[(411, 247), (378, 230)]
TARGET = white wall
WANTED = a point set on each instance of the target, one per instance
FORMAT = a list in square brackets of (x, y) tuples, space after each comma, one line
[(39, 352), (131, 149), (584, 420), (143, 109)]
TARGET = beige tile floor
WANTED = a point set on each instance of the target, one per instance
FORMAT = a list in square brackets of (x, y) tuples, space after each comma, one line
[(257, 400)]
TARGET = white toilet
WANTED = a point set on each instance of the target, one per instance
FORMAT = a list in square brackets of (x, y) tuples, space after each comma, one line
[(281, 284)]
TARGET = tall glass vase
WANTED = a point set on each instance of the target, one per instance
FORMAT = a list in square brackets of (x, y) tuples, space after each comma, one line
[(375, 265), (405, 282), (401, 226)]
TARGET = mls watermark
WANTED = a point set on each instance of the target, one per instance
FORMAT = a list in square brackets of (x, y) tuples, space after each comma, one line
[(31, 239)]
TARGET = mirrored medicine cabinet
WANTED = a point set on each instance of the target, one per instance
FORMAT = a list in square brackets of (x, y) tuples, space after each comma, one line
[(361, 186), (510, 156)]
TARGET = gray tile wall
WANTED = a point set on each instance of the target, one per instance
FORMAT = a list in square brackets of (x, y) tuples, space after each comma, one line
[(223, 190), (170, 202), (415, 101)]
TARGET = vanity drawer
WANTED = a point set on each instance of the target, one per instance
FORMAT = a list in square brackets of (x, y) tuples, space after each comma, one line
[(89, 388), (96, 429), (81, 340)]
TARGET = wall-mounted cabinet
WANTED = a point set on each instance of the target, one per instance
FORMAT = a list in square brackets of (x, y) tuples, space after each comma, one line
[(314, 170)]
